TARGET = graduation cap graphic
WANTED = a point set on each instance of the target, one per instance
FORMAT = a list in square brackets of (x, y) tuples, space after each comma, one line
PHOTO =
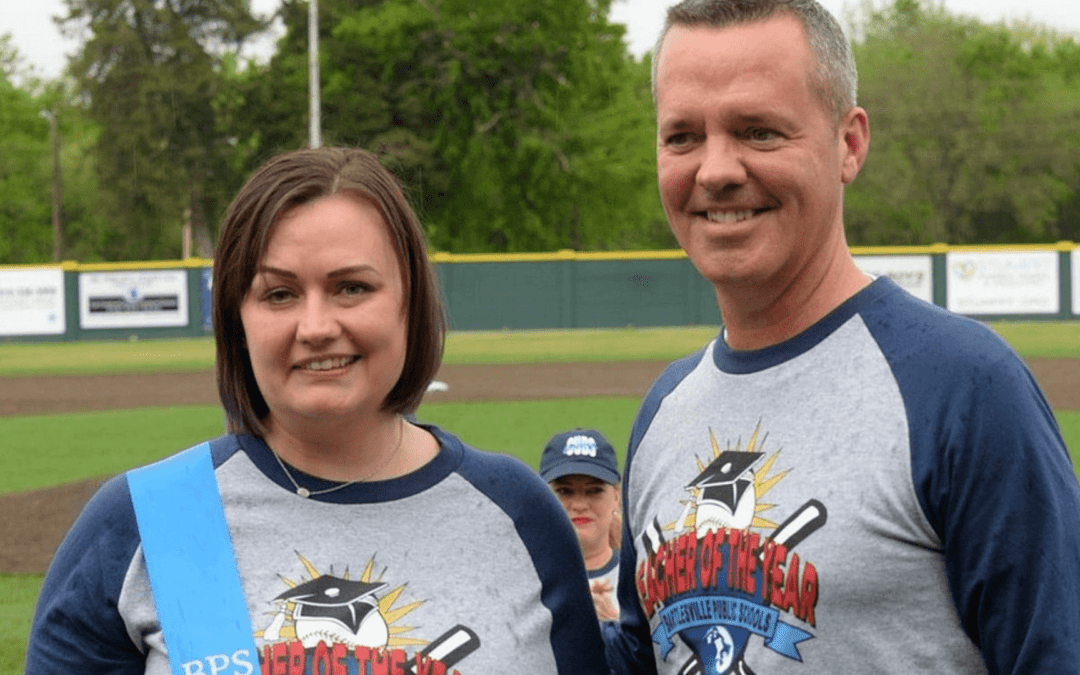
[(724, 483), (338, 609)]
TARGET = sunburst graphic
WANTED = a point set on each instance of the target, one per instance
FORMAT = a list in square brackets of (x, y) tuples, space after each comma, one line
[(283, 626), (763, 482)]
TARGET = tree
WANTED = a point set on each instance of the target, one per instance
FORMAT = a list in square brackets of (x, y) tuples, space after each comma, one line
[(519, 125), (971, 131), (152, 73), (26, 165), (25, 234)]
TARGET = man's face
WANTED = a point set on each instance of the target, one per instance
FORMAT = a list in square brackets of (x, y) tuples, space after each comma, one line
[(751, 163)]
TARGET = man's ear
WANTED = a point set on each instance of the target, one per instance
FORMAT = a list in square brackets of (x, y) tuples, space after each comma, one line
[(854, 143)]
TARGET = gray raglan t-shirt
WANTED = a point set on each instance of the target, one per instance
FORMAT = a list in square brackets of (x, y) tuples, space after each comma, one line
[(884, 493), (470, 559)]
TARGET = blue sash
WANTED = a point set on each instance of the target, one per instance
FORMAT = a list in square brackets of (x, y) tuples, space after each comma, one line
[(193, 573)]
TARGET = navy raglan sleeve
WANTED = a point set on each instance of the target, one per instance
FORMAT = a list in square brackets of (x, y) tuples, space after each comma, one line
[(549, 537), (994, 479), (629, 644), (77, 627)]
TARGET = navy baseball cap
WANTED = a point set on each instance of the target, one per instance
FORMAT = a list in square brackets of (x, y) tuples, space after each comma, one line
[(579, 451)]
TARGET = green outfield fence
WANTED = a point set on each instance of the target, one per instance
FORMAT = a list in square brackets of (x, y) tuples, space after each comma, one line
[(565, 289)]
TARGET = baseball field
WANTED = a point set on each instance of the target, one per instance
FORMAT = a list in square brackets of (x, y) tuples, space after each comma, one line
[(73, 414)]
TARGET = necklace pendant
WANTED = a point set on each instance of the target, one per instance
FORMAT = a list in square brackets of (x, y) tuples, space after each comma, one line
[(303, 492)]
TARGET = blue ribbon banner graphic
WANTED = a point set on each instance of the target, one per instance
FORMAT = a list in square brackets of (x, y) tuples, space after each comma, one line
[(694, 612)]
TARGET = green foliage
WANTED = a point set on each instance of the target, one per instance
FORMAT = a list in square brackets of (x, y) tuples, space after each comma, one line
[(974, 132), (518, 126), (88, 230), (152, 73), (9, 56), (26, 172), (25, 177)]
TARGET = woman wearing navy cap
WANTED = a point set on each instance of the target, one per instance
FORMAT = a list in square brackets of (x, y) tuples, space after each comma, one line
[(581, 467)]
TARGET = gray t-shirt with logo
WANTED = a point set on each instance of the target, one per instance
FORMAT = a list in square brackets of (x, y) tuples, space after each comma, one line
[(467, 565), (885, 493)]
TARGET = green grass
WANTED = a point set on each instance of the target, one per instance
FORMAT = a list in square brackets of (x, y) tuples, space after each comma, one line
[(57, 449), (1069, 421), (567, 346), (522, 428), (18, 593), (81, 358), (1041, 339), (1030, 339), (540, 346)]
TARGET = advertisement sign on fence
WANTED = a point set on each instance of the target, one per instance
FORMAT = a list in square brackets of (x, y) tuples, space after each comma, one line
[(1003, 282), (1075, 264), (32, 302), (133, 299), (913, 273), (206, 286)]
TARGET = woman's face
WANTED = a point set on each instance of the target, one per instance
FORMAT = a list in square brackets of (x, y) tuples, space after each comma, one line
[(591, 504), (324, 319)]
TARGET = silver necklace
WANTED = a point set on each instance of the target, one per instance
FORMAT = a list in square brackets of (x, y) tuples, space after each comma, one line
[(305, 493)]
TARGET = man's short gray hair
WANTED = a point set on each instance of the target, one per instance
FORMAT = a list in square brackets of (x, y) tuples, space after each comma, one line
[(836, 77)]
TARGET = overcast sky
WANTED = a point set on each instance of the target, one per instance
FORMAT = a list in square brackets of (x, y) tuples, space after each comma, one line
[(39, 40)]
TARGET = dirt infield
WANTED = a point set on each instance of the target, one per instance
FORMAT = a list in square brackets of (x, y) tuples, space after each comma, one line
[(80, 393), (32, 523)]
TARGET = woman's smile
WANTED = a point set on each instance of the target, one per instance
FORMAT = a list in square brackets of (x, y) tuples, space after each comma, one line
[(327, 364)]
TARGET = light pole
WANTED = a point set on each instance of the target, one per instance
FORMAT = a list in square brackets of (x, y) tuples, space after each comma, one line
[(315, 133), (57, 184)]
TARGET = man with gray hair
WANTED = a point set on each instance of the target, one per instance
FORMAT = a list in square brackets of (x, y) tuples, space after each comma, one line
[(847, 479)]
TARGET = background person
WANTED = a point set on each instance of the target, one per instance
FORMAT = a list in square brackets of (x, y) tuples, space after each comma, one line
[(360, 539), (582, 469), (847, 479)]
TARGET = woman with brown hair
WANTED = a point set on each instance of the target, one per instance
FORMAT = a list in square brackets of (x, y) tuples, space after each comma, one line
[(325, 532)]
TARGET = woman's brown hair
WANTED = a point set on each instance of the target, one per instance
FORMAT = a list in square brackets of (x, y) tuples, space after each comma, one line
[(283, 183)]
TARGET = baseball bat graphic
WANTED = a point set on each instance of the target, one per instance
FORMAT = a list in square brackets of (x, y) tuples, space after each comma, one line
[(805, 521), (450, 647), (691, 667)]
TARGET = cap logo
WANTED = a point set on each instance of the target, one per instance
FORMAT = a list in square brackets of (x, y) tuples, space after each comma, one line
[(580, 446)]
